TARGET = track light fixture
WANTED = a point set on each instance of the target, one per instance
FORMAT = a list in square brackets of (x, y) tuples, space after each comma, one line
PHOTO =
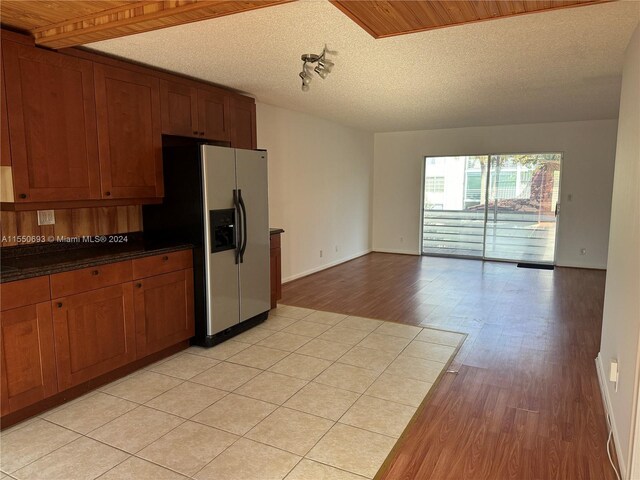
[(323, 67)]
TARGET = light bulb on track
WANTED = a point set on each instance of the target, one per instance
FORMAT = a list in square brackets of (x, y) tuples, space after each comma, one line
[(323, 67)]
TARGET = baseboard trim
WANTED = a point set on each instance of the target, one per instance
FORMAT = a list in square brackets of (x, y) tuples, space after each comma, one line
[(291, 278), (585, 267), (393, 250), (606, 401)]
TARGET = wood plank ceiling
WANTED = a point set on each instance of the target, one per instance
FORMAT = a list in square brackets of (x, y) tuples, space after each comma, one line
[(66, 23), (390, 17)]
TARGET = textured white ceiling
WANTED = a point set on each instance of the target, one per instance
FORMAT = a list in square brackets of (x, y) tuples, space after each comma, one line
[(554, 66)]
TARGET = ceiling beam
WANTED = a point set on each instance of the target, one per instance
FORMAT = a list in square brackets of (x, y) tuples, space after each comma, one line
[(138, 17)]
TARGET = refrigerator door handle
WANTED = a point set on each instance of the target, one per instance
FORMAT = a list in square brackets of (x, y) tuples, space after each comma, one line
[(244, 226), (238, 225)]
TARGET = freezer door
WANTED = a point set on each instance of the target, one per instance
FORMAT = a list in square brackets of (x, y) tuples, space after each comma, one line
[(251, 173), (222, 275)]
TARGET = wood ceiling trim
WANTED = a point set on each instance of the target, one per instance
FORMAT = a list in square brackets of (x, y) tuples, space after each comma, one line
[(137, 17), (114, 12), (389, 18)]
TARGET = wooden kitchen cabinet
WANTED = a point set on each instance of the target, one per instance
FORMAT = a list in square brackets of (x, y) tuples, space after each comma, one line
[(94, 333), (66, 333), (164, 311), (179, 105), (242, 113), (213, 114), (90, 278), (194, 112), (276, 270), (5, 152), (165, 263), (28, 359), (52, 116), (26, 344), (79, 128), (129, 133)]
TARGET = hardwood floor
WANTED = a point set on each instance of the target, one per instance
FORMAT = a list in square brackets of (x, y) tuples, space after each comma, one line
[(525, 402)]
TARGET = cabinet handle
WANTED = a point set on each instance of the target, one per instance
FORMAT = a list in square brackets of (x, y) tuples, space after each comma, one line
[(95, 272), (138, 285), (201, 133), (108, 194), (23, 195), (165, 258), (59, 304), (195, 132)]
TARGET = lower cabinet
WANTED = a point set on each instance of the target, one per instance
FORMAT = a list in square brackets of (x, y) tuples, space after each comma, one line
[(28, 359), (276, 270), (163, 311), (94, 333), (99, 319)]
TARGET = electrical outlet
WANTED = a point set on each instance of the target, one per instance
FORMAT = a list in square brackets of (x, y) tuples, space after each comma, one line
[(401, 239), (569, 197), (320, 253), (583, 251), (46, 217), (336, 248), (614, 372)]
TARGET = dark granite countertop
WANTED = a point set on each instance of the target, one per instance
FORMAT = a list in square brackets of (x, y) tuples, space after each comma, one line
[(275, 231), (22, 262)]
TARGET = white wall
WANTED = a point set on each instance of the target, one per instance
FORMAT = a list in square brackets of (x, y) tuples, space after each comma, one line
[(621, 319), (587, 174), (320, 176)]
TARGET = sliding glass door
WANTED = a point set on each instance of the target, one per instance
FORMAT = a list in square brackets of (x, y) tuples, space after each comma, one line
[(521, 207), (454, 198), (500, 207)]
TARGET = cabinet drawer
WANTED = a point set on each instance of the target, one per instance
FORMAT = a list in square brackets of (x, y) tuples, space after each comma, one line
[(24, 292), (275, 241), (164, 263), (78, 281)]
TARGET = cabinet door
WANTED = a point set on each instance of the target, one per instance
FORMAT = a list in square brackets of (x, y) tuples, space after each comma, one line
[(213, 114), (164, 311), (94, 333), (27, 356), (276, 270), (129, 133), (5, 153), (242, 123), (274, 277), (51, 110), (179, 104)]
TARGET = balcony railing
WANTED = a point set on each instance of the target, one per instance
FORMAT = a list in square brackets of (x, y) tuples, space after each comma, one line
[(509, 236)]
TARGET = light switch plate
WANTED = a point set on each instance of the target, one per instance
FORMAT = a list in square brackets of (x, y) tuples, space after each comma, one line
[(46, 217)]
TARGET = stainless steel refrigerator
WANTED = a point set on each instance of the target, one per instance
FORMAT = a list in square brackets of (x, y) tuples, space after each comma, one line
[(216, 198)]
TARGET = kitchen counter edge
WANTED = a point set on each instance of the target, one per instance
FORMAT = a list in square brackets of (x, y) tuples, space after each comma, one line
[(13, 275)]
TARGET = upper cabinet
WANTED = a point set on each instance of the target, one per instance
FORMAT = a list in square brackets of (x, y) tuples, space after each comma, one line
[(213, 114), (52, 118), (5, 153), (129, 133), (190, 111), (179, 103), (79, 127), (242, 113)]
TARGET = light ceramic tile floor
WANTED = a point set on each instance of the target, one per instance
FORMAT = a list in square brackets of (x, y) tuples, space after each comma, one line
[(306, 395)]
